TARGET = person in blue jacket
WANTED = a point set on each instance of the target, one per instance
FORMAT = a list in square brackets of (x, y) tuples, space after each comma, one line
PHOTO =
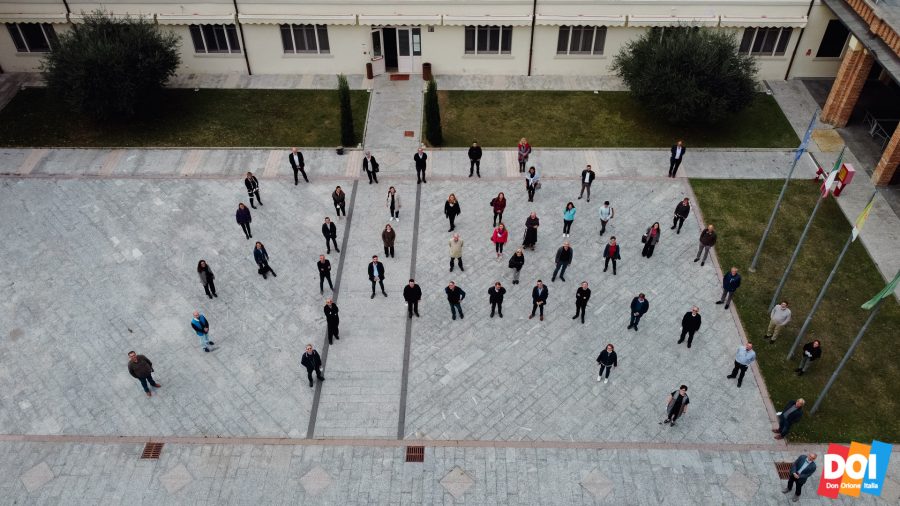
[(730, 283)]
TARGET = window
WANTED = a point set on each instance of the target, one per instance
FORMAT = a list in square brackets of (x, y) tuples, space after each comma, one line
[(311, 39), (581, 40), (765, 41), (32, 37), (488, 39), (833, 41), (215, 39)]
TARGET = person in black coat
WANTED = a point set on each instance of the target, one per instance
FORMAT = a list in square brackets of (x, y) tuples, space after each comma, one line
[(538, 298), (611, 252), (370, 167), (455, 296), (678, 150), (515, 263), (252, 185), (207, 278), (788, 416), (690, 323), (332, 319), (682, 210), (495, 295), (420, 158), (607, 360), (312, 362), (811, 352), (639, 306), (582, 296), (296, 159), (563, 258), (340, 201), (475, 159), (243, 218), (587, 177), (452, 210), (330, 233), (324, 267), (376, 275), (262, 260), (412, 294)]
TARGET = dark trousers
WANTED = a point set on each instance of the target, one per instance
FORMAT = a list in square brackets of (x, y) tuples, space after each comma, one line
[(251, 194), (328, 241), (604, 368), (739, 371), (673, 165), (322, 277), (309, 372), (677, 221), (498, 218), (561, 269), (522, 165), (412, 308), (395, 213), (784, 427), (210, 288), (498, 306), (458, 260), (531, 190), (339, 210), (791, 481), (246, 228), (580, 309), (635, 319), (672, 416), (452, 218), (567, 226), (454, 308), (264, 268), (606, 264), (420, 175), (603, 226), (498, 247), (689, 333), (301, 171), (388, 251), (149, 380), (648, 250), (380, 283), (535, 306), (585, 186), (373, 176), (332, 332), (476, 166)]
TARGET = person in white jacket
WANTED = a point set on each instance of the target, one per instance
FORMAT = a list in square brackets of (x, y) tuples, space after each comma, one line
[(392, 203), (779, 317)]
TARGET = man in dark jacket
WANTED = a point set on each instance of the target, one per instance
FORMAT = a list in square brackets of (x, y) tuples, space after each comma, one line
[(611, 252), (639, 306), (538, 298), (376, 275), (690, 323), (495, 295), (330, 233), (475, 159), (682, 210), (141, 369), (563, 259), (324, 273), (455, 296), (332, 319), (801, 470), (582, 296), (296, 159), (707, 241), (412, 294), (252, 185), (312, 362), (790, 415), (730, 282), (675, 160), (811, 352), (420, 158), (370, 167), (587, 177)]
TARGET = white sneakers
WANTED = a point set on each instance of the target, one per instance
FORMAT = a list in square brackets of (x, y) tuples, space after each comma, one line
[(605, 381)]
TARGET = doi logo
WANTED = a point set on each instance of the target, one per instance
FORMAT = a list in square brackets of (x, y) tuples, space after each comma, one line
[(854, 469)]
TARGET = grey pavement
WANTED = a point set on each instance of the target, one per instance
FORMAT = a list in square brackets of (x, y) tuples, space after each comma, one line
[(395, 108), (550, 82)]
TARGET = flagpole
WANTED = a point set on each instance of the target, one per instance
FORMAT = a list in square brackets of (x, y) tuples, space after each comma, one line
[(790, 264), (847, 356)]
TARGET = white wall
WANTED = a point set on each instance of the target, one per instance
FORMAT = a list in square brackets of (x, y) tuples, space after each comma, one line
[(217, 63), (347, 44), (808, 65), (445, 50)]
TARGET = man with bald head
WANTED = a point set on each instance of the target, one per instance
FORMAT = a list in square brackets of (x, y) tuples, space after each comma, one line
[(801, 470)]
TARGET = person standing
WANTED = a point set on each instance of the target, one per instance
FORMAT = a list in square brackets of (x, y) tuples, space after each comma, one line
[(499, 238), (420, 158), (206, 278), (376, 275), (261, 256), (582, 296), (676, 405), (564, 257), (252, 185), (639, 306), (742, 360), (387, 237), (370, 167), (456, 247), (329, 231), (791, 414), (690, 323), (675, 159), (568, 218), (531, 231), (802, 468), (451, 211), (141, 369), (495, 296), (682, 210), (498, 204), (475, 159), (524, 153), (707, 241), (201, 327), (312, 362), (324, 267), (340, 201), (587, 177), (607, 360), (392, 203), (455, 296), (811, 352), (611, 253), (778, 318), (532, 183), (730, 282), (243, 219), (515, 263), (332, 319), (650, 239), (296, 159), (538, 298), (412, 294), (606, 213)]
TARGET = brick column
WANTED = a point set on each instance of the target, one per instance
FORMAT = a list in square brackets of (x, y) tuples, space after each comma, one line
[(848, 84), (887, 166)]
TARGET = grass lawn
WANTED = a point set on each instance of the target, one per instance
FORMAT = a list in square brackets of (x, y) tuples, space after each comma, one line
[(209, 117), (863, 403), (582, 119)]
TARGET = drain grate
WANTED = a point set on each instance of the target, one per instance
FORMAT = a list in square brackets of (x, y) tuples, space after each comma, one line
[(152, 450), (415, 454), (783, 469), (408, 133)]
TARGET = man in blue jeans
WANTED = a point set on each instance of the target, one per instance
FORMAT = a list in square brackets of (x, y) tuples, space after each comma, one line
[(141, 369), (801, 470), (201, 327), (455, 295)]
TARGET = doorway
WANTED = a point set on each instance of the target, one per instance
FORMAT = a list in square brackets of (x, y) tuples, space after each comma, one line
[(390, 49)]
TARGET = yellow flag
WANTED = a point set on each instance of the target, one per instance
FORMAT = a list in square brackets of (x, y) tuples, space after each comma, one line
[(861, 219)]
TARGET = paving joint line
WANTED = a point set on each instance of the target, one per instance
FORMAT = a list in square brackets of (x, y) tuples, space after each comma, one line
[(404, 377)]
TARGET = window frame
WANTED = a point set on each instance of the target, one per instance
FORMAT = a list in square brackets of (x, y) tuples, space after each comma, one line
[(308, 32), (782, 34), (843, 47), (21, 42), (486, 36), (213, 32), (582, 29)]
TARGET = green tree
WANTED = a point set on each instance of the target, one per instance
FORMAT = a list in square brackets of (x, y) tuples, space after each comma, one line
[(688, 74), (433, 131), (348, 136), (111, 68)]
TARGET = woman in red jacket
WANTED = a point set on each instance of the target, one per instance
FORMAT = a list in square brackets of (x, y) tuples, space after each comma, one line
[(499, 204), (499, 238)]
